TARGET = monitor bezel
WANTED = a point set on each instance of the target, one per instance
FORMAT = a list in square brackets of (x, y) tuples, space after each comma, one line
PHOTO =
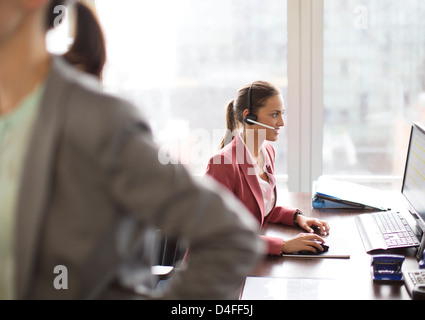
[(420, 222)]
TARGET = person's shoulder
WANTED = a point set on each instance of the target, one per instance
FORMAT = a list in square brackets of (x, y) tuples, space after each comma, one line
[(223, 155), (85, 99), (84, 86), (92, 119)]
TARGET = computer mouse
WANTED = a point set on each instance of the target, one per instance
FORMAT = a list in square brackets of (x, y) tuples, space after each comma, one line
[(306, 252)]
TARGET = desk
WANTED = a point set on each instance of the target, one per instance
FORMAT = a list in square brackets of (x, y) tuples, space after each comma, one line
[(326, 279)]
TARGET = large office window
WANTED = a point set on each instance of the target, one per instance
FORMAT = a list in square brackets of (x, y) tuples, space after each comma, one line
[(374, 85), (352, 73), (181, 62)]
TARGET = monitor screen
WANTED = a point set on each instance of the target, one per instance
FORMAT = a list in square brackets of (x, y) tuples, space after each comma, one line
[(413, 187)]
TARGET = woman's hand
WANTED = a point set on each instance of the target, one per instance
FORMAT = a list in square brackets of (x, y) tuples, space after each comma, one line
[(303, 241), (308, 223)]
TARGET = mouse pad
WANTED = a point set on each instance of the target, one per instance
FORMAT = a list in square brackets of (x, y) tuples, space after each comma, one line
[(338, 249)]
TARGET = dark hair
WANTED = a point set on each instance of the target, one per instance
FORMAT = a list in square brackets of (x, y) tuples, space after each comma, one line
[(260, 92), (88, 51)]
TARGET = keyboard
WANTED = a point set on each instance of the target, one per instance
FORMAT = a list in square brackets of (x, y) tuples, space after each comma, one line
[(415, 283), (385, 230), (395, 229)]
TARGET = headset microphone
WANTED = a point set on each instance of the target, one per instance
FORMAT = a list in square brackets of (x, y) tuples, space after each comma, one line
[(251, 118), (259, 123)]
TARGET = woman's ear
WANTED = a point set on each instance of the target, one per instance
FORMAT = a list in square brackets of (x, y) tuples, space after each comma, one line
[(245, 113)]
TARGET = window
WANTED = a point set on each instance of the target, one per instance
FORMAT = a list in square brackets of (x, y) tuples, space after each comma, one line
[(181, 62), (352, 73), (374, 85)]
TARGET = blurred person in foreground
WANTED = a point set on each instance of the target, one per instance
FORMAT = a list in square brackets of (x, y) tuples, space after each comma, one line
[(80, 181)]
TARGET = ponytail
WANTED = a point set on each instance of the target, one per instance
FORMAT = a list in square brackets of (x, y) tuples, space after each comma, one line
[(231, 124), (88, 52)]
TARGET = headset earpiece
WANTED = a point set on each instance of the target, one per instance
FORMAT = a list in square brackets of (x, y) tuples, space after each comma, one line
[(250, 115)]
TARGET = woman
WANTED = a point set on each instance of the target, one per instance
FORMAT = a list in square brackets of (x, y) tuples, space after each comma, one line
[(80, 181), (245, 165)]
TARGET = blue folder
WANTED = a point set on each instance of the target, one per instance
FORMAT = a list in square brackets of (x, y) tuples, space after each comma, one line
[(319, 203)]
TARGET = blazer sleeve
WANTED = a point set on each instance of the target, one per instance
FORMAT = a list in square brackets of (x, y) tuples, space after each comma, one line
[(225, 174), (284, 215), (274, 245)]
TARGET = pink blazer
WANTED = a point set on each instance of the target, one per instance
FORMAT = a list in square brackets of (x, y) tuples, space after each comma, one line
[(231, 167)]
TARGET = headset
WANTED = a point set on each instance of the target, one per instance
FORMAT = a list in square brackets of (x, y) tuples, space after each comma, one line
[(251, 118)]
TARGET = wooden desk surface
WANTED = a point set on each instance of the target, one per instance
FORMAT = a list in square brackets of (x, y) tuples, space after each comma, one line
[(312, 278)]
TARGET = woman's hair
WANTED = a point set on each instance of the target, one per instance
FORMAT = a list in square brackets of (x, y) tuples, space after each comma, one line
[(88, 52), (260, 92)]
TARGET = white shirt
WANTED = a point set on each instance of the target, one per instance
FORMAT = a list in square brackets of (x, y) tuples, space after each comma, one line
[(268, 195)]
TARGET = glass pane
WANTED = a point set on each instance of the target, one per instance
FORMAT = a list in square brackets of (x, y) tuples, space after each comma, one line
[(182, 61), (374, 84)]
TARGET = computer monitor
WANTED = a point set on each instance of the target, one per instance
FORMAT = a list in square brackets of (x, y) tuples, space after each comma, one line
[(413, 188)]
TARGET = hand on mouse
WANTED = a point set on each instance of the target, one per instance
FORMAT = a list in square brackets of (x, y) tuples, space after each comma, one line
[(308, 223), (303, 242)]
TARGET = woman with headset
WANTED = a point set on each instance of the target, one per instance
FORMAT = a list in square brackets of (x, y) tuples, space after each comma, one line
[(245, 165), (81, 184)]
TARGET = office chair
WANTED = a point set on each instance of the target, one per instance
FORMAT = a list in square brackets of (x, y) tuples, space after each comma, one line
[(170, 257)]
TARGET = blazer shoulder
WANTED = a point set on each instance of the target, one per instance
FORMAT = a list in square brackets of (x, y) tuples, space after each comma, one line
[(222, 167), (85, 100), (85, 87), (222, 156), (91, 118)]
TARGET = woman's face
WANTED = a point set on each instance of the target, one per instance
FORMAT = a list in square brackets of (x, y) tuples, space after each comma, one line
[(271, 114)]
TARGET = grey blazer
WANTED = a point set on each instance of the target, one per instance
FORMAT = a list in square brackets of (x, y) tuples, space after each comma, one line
[(92, 184)]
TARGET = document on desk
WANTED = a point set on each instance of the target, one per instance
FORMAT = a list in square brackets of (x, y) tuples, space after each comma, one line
[(338, 249), (268, 288), (352, 195)]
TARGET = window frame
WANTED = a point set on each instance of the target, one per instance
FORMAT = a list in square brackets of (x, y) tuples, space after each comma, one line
[(305, 93)]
